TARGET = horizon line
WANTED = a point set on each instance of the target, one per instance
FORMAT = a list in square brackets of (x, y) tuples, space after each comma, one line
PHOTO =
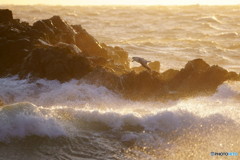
[(40, 4)]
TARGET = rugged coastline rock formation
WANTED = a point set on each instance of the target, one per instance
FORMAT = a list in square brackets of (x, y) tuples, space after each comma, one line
[(53, 43), (54, 50)]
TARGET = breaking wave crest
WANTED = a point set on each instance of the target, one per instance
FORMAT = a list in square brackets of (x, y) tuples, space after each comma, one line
[(25, 119), (79, 113)]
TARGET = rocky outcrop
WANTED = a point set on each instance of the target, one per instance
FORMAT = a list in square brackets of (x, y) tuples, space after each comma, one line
[(54, 50), (143, 85), (1, 103), (196, 78), (199, 76), (55, 30), (5, 15), (56, 62)]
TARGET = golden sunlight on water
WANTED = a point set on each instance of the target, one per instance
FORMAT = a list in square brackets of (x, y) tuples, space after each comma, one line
[(82, 119)]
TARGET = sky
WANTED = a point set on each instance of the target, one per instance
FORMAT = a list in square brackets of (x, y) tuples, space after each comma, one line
[(121, 2)]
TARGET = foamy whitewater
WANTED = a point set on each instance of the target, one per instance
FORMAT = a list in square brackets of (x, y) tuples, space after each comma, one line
[(46, 119)]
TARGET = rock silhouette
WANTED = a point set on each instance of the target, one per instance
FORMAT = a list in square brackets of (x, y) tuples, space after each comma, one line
[(5, 15), (56, 62), (1, 103), (54, 50)]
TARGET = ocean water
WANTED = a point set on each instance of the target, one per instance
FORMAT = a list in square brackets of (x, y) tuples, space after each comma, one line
[(77, 120)]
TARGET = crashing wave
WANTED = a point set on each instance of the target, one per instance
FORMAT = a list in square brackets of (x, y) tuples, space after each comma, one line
[(25, 119)]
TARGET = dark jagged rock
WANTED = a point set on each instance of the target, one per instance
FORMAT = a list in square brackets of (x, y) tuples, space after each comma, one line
[(12, 55), (88, 44), (53, 49), (22, 45), (119, 58), (55, 30), (57, 62), (233, 76), (5, 15), (145, 84), (105, 77), (198, 76), (1, 103), (15, 43), (116, 57)]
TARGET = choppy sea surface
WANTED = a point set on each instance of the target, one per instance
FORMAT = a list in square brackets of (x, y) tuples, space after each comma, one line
[(75, 120)]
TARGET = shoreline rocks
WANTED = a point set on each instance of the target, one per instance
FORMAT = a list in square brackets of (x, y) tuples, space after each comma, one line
[(1, 103), (5, 15), (54, 50)]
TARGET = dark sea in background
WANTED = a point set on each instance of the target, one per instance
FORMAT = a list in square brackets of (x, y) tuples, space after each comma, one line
[(77, 120)]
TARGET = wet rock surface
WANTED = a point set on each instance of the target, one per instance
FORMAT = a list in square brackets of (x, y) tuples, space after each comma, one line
[(55, 63), (1, 103), (5, 15), (54, 50)]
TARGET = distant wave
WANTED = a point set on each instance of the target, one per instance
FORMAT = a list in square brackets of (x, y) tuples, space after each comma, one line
[(211, 19), (228, 35), (211, 27)]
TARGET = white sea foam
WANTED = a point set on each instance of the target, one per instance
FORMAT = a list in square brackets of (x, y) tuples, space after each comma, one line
[(165, 121), (142, 122), (227, 90), (24, 119), (48, 93)]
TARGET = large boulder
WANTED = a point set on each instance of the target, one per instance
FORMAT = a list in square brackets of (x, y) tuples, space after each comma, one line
[(198, 76), (105, 77), (1, 103), (143, 85), (55, 30), (117, 57), (132, 85), (88, 44), (15, 43), (62, 63), (5, 15), (12, 55), (21, 43)]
